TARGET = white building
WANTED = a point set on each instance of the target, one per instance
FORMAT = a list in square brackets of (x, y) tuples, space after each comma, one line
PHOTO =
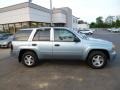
[(83, 26), (29, 15), (74, 23)]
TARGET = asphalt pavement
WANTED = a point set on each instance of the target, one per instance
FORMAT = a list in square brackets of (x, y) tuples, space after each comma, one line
[(61, 75)]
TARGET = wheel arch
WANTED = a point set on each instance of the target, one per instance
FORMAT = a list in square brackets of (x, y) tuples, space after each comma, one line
[(23, 51), (102, 50)]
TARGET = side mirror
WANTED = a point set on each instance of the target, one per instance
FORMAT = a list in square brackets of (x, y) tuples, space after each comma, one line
[(76, 39)]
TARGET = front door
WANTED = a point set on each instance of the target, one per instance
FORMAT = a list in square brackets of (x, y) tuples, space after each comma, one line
[(64, 45)]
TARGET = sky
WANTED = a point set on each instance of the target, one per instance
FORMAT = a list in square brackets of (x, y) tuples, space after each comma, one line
[(87, 10)]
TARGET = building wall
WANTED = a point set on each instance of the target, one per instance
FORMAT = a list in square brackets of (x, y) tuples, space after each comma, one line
[(59, 18), (74, 23), (18, 15), (39, 16), (68, 16), (25, 15), (83, 26)]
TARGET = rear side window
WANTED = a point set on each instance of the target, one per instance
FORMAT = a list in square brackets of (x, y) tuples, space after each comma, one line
[(22, 35), (42, 35)]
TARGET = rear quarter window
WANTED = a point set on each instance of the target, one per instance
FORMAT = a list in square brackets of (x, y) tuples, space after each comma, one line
[(22, 35)]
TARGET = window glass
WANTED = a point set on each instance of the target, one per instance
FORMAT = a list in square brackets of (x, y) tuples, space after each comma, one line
[(42, 35), (63, 35), (34, 24), (6, 28), (5, 36), (25, 25), (40, 24), (18, 26), (48, 24), (11, 28), (59, 24), (1, 28), (22, 35)]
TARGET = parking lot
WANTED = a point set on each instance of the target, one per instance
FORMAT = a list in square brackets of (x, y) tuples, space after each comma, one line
[(61, 75)]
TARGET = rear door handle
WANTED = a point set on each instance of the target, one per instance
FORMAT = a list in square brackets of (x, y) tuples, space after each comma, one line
[(57, 45), (34, 44)]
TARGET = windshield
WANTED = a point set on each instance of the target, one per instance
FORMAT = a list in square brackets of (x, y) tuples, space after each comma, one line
[(5, 36)]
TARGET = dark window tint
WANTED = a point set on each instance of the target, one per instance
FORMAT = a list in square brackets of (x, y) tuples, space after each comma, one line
[(22, 35), (63, 35), (42, 35)]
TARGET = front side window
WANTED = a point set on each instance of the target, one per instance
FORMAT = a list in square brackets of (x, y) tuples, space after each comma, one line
[(42, 35), (22, 35), (63, 35)]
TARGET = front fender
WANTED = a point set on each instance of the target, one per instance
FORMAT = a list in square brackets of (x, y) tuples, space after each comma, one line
[(87, 51)]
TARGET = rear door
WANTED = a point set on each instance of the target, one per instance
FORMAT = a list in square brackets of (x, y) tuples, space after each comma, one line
[(42, 41)]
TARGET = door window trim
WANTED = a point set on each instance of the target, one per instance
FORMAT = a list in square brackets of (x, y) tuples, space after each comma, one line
[(42, 40), (64, 41)]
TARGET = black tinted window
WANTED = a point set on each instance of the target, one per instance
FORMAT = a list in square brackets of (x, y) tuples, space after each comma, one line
[(22, 35), (42, 35)]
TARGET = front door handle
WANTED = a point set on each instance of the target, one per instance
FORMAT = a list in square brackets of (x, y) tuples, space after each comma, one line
[(57, 45)]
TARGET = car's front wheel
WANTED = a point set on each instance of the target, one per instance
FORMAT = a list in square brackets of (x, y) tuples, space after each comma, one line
[(9, 45), (97, 60), (29, 59), (90, 33)]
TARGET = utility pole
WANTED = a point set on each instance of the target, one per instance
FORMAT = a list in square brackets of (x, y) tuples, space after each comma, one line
[(51, 13), (30, 1)]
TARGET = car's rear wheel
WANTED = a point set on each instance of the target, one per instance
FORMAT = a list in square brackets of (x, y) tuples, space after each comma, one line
[(97, 60), (29, 59)]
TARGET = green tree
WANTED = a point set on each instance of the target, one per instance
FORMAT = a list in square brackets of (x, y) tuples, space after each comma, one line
[(93, 25), (99, 22), (113, 24), (117, 23)]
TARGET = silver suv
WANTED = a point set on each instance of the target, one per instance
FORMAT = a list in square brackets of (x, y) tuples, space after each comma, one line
[(32, 45)]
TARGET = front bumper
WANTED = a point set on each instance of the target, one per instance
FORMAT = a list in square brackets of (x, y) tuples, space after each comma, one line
[(3, 45), (113, 55)]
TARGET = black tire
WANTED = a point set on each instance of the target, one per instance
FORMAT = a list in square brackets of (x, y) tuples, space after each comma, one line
[(90, 33), (9, 45), (33, 59), (96, 63)]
